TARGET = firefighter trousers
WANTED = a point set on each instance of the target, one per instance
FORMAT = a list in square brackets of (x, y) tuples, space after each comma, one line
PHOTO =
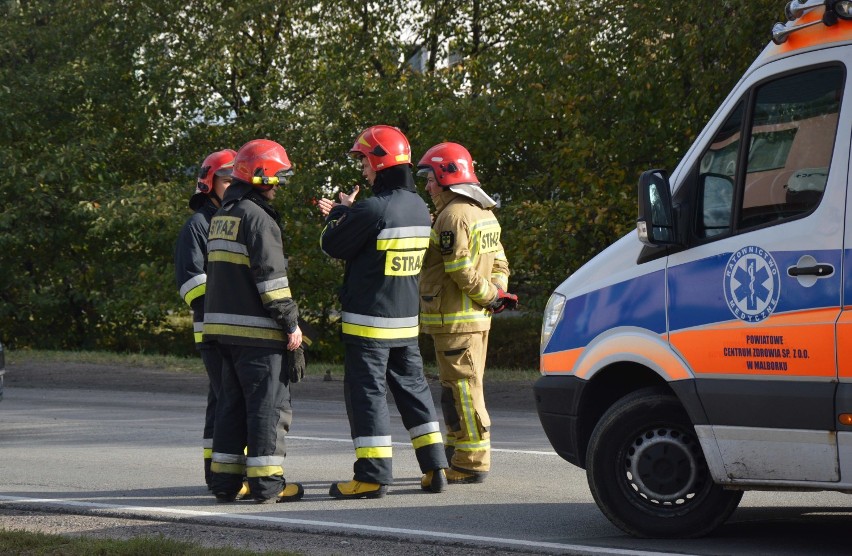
[(369, 372), (213, 364), (461, 364), (253, 417)]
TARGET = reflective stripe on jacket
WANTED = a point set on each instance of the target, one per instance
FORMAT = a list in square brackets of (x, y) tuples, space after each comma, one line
[(464, 266), (190, 272), (383, 240), (248, 294)]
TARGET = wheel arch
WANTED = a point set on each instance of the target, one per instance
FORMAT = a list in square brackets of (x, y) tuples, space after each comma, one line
[(617, 380), (623, 360), (603, 389)]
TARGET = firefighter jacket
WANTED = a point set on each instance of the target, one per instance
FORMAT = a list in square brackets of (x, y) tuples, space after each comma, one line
[(464, 266), (248, 298), (190, 271), (382, 239)]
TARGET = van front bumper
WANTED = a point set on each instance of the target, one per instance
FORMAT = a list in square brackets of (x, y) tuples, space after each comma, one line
[(557, 399)]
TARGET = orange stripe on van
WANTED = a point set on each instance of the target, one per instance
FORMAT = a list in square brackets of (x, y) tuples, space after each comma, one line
[(560, 362), (791, 344), (812, 36), (798, 343), (827, 314), (658, 354)]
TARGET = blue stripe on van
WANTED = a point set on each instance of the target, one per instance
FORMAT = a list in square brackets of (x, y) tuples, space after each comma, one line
[(696, 288), (637, 302)]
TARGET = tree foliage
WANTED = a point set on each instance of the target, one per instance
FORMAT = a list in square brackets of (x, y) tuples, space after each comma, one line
[(109, 105)]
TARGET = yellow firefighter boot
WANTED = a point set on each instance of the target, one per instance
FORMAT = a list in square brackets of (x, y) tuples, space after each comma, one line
[(290, 493), (357, 489), (244, 492), (434, 481), (460, 477)]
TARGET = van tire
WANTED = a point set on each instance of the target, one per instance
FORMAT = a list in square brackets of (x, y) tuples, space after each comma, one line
[(673, 494)]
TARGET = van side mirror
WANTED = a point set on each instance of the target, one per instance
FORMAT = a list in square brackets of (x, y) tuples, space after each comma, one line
[(655, 225)]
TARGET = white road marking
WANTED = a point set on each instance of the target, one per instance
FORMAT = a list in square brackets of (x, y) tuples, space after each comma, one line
[(331, 525), (349, 440)]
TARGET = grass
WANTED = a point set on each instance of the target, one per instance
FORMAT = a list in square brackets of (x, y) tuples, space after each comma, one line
[(165, 362), (36, 544), (194, 364)]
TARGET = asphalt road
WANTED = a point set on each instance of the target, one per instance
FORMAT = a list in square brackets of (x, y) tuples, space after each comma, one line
[(137, 455)]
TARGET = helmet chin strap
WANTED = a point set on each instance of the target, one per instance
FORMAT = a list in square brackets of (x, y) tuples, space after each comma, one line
[(215, 198)]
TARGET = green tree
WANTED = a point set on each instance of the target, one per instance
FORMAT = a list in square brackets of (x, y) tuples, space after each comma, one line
[(70, 136), (109, 105)]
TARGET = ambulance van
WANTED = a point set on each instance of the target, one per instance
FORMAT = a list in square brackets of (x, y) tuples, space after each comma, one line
[(710, 352)]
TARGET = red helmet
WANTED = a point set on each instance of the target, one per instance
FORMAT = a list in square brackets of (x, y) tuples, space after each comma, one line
[(220, 163), (262, 163), (384, 146), (450, 162)]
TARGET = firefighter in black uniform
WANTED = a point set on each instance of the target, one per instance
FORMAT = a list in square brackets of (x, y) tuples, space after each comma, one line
[(383, 240), (190, 251), (251, 315)]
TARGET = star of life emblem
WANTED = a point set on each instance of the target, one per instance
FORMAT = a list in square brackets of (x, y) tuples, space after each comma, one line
[(752, 284)]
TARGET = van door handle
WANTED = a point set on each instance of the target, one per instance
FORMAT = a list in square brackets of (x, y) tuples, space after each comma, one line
[(821, 270)]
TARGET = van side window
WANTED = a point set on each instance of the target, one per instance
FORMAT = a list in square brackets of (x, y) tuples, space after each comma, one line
[(792, 137), (791, 131), (718, 171)]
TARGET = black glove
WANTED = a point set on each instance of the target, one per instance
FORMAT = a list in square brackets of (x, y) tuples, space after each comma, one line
[(504, 300), (294, 364)]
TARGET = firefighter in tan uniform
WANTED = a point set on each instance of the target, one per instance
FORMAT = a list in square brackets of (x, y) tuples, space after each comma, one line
[(464, 281)]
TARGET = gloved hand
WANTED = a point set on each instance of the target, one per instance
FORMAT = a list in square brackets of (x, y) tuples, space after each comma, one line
[(294, 364), (504, 300)]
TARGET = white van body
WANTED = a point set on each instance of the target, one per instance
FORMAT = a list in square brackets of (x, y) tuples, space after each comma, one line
[(711, 352)]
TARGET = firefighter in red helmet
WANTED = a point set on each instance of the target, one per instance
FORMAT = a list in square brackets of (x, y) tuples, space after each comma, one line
[(383, 240), (464, 281), (251, 315), (214, 177)]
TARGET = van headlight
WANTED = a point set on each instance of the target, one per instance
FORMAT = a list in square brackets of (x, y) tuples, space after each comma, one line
[(552, 316)]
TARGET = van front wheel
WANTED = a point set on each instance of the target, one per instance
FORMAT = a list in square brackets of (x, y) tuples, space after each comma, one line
[(648, 474)]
